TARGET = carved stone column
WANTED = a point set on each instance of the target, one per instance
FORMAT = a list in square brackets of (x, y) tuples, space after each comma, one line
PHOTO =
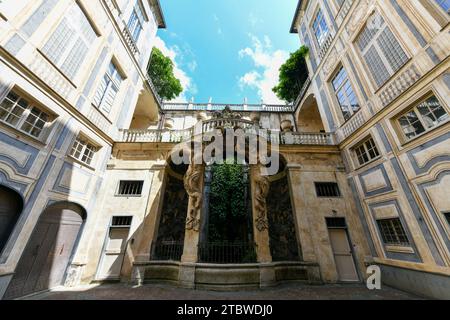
[(260, 190), (193, 183)]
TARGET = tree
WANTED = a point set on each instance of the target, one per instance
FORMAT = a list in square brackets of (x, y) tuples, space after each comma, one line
[(160, 70), (293, 75)]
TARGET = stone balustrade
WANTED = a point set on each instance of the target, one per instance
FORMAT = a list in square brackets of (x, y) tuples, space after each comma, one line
[(249, 127), (170, 106)]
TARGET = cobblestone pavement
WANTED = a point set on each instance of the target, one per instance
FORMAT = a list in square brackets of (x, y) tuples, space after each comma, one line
[(165, 292)]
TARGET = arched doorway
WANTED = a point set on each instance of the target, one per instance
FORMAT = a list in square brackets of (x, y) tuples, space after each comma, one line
[(46, 257), (11, 205), (169, 242), (284, 245)]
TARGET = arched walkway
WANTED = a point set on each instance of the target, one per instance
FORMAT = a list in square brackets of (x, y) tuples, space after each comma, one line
[(11, 205), (48, 252)]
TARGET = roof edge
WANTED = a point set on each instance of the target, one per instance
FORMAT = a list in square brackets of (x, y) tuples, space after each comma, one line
[(156, 5), (297, 13)]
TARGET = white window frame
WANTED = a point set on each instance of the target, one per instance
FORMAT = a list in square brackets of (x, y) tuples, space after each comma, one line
[(438, 4), (77, 34), (84, 142), (420, 117), (112, 84), (324, 36), (341, 88), (25, 114), (138, 12), (374, 18), (363, 145)]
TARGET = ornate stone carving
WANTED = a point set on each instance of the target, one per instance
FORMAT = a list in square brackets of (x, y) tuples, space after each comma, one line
[(193, 186), (358, 16), (262, 186), (330, 63), (227, 113)]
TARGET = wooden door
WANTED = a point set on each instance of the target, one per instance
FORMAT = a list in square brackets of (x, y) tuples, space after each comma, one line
[(46, 257), (113, 254), (343, 255)]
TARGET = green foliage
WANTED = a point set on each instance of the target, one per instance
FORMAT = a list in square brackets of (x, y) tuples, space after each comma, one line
[(293, 74), (160, 70), (227, 190), (227, 204)]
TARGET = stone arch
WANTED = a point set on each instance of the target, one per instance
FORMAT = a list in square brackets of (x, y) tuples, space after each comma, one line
[(308, 117), (49, 250), (11, 206)]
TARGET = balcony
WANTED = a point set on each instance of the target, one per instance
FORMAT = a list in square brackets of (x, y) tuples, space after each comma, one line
[(168, 106), (249, 127)]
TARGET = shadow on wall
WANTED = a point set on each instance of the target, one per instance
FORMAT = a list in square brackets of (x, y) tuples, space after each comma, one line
[(51, 242)]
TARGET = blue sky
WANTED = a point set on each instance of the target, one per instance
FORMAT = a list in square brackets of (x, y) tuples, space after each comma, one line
[(228, 49)]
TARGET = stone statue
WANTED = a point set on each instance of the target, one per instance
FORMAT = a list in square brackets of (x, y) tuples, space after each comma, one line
[(192, 184), (262, 185)]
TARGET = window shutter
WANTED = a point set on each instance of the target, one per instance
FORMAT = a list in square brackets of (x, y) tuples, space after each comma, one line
[(108, 100), (392, 50), (101, 91), (376, 66), (76, 56), (56, 45)]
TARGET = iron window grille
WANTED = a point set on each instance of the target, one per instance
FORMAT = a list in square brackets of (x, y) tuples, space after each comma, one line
[(392, 232), (422, 118), (121, 221), (327, 189), (339, 223), (83, 150), (20, 114), (366, 151), (130, 188), (344, 92)]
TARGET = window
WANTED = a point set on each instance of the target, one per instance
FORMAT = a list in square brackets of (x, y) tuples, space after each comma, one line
[(130, 188), (69, 44), (444, 4), (83, 150), (136, 22), (366, 151), (19, 113), (108, 88), (327, 189), (320, 28), (345, 94), (422, 118), (120, 222), (392, 232), (382, 52), (447, 216), (336, 223)]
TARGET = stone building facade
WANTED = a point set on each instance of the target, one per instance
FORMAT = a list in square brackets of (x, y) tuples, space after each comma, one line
[(90, 190), (379, 78), (72, 73)]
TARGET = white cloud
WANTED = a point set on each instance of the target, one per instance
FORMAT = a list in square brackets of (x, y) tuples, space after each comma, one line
[(265, 74), (175, 54), (254, 20)]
